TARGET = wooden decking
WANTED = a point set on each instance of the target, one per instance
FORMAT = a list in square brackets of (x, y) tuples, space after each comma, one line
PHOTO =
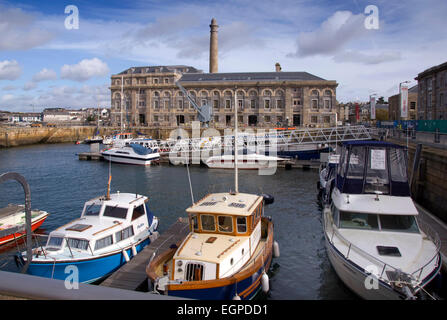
[(132, 275)]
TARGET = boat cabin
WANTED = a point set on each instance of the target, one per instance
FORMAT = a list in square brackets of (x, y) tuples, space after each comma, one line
[(225, 233), (373, 167), (103, 223)]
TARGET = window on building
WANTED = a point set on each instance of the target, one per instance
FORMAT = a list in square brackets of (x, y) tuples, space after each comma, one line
[(267, 104), (216, 104), (228, 104), (155, 81), (327, 103), (240, 104), (155, 118), (166, 80), (327, 119), (267, 119), (166, 118), (240, 119), (314, 104), (413, 105), (216, 118), (253, 103), (156, 104), (313, 119), (180, 105), (279, 104)]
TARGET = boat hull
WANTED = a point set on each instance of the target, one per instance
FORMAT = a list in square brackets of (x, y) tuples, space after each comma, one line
[(355, 277), (34, 225), (90, 270), (129, 160)]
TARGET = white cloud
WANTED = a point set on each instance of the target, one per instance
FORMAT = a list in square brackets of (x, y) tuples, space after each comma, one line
[(85, 70), (10, 70), (19, 31), (367, 58), (29, 86), (45, 74), (339, 29)]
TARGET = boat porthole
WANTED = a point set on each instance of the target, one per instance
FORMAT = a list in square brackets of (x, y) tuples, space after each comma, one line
[(231, 261)]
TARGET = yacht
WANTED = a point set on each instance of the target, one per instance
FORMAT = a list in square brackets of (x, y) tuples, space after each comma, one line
[(373, 238), (132, 153), (118, 140), (112, 230), (245, 161)]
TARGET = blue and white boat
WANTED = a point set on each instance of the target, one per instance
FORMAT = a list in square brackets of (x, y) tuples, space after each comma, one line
[(132, 153), (111, 230)]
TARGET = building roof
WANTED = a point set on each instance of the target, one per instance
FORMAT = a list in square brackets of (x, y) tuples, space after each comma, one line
[(159, 69), (250, 76), (413, 89), (442, 66)]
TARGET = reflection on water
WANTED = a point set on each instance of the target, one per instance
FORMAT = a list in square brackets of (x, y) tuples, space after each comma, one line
[(60, 184)]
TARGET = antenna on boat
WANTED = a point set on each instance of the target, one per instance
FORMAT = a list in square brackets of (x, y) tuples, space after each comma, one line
[(236, 182), (189, 179), (110, 179)]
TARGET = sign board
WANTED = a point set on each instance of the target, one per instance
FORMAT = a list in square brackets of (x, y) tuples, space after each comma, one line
[(372, 103), (378, 159), (403, 101)]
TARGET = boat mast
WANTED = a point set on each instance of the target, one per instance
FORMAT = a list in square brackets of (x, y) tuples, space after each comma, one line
[(122, 100), (236, 182)]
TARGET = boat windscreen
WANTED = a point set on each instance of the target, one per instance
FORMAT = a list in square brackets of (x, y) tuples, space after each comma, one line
[(356, 220), (115, 212), (398, 223)]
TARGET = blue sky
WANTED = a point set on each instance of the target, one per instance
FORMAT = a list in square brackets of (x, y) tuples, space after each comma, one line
[(42, 64)]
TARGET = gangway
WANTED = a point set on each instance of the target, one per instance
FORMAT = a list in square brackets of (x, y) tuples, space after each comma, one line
[(268, 138)]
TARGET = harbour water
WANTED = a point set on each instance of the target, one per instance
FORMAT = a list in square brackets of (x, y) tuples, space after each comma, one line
[(60, 184)]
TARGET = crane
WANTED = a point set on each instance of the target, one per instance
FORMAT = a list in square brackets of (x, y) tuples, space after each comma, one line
[(205, 112)]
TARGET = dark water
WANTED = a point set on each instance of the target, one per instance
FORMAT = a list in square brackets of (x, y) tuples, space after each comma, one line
[(60, 184)]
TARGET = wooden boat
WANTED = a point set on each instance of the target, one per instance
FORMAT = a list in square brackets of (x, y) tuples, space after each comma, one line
[(226, 254), (12, 222)]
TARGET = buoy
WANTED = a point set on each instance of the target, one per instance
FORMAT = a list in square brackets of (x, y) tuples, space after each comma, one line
[(268, 199), (134, 250), (126, 256), (275, 249), (265, 282), (236, 297)]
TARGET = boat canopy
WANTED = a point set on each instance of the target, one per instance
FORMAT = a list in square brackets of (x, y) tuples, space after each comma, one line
[(373, 167), (139, 149)]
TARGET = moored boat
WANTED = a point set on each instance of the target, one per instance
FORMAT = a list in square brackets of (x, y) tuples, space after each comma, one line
[(374, 241), (132, 153), (245, 161), (226, 255), (111, 230), (12, 222)]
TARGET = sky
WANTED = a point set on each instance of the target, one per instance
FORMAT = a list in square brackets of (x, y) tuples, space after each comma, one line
[(50, 59)]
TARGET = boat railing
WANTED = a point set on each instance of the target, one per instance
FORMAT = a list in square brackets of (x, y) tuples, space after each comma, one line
[(377, 262), (434, 237)]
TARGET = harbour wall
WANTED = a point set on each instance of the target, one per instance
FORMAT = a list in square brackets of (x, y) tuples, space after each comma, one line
[(429, 186), (17, 136)]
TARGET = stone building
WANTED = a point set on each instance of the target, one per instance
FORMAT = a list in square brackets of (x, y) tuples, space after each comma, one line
[(149, 96), (394, 105), (432, 93)]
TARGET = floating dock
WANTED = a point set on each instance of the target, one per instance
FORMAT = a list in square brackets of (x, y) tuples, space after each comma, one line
[(132, 276)]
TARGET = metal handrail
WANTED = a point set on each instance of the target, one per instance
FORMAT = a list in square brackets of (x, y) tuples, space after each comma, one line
[(374, 259)]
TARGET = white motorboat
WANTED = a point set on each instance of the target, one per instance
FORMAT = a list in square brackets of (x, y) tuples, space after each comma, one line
[(244, 161), (112, 229), (373, 238), (132, 153)]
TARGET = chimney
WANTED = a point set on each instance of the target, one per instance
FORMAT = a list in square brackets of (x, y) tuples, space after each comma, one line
[(277, 67), (213, 46)]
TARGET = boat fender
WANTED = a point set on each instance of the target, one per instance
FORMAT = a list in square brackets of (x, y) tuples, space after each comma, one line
[(236, 297), (268, 199), (275, 249), (265, 282), (134, 250), (126, 256)]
